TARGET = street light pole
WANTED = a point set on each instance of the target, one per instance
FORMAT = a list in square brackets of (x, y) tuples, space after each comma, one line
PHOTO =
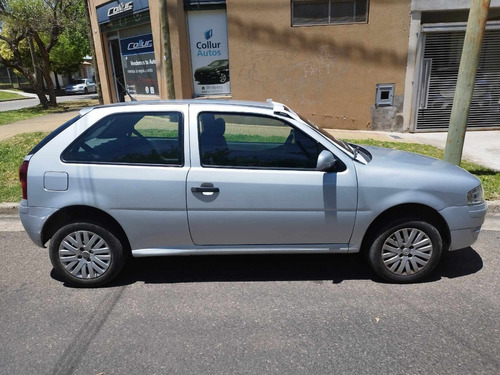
[(465, 83)]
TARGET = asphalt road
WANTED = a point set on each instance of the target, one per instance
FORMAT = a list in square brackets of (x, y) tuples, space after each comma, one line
[(26, 103), (300, 314)]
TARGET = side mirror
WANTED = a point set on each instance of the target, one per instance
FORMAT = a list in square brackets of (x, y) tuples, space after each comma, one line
[(326, 161)]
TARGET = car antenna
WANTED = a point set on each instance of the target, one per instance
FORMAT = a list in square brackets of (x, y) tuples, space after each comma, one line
[(126, 90)]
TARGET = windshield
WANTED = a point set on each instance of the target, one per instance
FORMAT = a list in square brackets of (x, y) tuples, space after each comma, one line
[(338, 142), (79, 82), (217, 63)]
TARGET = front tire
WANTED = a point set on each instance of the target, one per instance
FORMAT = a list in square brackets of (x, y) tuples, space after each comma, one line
[(86, 254), (405, 251)]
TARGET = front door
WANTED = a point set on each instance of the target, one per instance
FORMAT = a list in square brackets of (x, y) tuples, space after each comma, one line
[(253, 182)]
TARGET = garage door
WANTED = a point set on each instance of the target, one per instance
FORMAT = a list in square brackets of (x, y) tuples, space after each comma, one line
[(438, 79)]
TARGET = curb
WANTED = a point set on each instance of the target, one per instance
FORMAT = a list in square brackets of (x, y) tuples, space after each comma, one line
[(13, 207), (12, 100), (9, 208)]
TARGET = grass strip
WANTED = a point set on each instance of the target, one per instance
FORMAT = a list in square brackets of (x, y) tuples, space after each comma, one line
[(13, 151), (4, 95), (9, 117)]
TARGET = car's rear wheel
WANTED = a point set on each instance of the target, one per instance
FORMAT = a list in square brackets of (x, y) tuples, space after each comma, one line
[(86, 254), (405, 251)]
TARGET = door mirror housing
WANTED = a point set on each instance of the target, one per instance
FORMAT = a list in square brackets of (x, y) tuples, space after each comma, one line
[(326, 161)]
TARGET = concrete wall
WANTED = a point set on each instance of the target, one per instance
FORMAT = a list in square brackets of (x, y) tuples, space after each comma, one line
[(327, 73)]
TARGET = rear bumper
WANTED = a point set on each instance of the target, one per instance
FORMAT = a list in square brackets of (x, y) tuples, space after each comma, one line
[(464, 223), (33, 220)]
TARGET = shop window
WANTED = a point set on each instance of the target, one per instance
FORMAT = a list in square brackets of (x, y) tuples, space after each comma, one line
[(325, 12)]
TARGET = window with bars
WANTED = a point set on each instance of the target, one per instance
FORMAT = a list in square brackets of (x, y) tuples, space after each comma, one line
[(325, 12)]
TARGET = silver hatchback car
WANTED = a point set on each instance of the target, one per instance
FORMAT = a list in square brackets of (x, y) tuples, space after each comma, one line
[(223, 177)]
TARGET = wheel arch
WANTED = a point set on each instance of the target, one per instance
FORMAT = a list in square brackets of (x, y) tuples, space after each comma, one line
[(90, 214), (411, 210)]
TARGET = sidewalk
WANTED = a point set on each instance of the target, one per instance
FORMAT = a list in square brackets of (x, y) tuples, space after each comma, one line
[(45, 123), (481, 147)]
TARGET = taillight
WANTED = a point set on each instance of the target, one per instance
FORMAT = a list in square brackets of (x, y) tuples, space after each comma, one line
[(23, 178)]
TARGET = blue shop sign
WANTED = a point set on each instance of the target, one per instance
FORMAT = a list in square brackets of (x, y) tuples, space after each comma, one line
[(137, 45), (118, 9)]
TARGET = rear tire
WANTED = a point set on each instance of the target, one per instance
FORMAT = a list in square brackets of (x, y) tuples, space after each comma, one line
[(86, 254), (405, 251)]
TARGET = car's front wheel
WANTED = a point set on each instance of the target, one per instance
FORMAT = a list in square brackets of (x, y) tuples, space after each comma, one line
[(86, 254), (405, 251)]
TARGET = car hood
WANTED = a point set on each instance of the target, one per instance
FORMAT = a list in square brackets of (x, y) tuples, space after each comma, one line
[(385, 157), (205, 69), (394, 172)]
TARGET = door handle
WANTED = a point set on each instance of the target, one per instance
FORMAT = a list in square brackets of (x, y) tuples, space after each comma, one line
[(205, 188)]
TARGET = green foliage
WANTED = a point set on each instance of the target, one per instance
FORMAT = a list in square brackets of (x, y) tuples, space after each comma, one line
[(52, 26), (12, 153), (72, 46)]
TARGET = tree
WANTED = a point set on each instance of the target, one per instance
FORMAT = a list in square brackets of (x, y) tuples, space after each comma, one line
[(40, 22), (72, 46)]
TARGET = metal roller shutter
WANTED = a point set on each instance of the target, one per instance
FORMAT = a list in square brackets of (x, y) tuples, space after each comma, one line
[(438, 78)]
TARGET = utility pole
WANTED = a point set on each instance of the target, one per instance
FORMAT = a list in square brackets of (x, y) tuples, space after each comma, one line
[(167, 53), (466, 78), (92, 51)]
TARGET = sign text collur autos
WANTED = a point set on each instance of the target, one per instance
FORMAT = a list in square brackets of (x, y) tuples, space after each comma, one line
[(208, 48)]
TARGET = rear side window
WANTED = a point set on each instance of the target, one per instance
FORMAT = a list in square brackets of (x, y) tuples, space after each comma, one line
[(131, 138), (52, 135)]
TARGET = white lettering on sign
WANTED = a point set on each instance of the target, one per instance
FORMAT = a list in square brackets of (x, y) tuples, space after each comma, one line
[(120, 9), (139, 45)]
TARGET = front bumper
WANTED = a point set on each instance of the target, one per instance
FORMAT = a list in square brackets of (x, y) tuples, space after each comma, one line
[(33, 220), (74, 91), (464, 223)]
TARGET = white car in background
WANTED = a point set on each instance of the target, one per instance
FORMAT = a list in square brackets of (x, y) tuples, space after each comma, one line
[(81, 86)]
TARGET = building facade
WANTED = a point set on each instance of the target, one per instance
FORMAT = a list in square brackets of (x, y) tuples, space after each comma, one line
[(351, 64)]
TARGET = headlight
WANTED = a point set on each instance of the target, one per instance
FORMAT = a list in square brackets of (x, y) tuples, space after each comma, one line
[(476, 195)]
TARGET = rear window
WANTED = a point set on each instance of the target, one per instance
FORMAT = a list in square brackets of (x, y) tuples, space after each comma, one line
[(52, 135)]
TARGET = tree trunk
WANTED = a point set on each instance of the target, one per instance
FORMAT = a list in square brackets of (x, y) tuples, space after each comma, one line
[(45, 65), (48, 81), (36, 87), (58, 86)]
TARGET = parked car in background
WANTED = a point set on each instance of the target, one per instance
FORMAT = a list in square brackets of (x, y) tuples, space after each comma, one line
[(81, 86), (222, 177), (215, 72)]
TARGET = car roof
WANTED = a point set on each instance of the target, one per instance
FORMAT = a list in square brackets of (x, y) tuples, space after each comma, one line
[(242, 103)]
